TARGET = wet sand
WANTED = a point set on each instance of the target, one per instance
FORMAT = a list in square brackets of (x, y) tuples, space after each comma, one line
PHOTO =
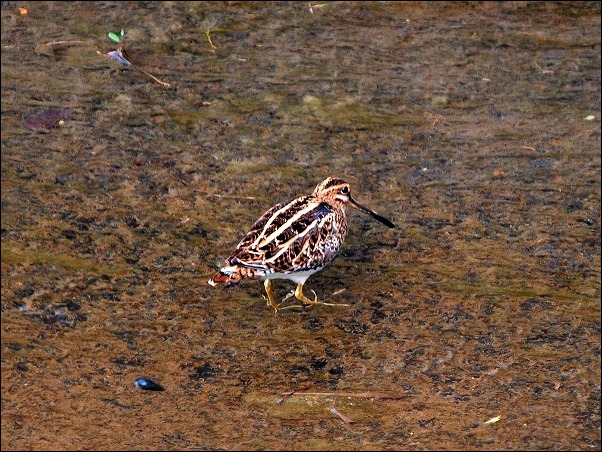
[(475, 127)]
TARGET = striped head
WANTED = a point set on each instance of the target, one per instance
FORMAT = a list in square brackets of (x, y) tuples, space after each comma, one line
[(337, 193), (333, 191)]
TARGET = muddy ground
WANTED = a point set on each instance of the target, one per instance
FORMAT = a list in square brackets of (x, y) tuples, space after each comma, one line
[(473, 325)]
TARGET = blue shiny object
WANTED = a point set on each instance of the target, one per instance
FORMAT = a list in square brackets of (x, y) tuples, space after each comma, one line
[(117, 55), (147, 384)]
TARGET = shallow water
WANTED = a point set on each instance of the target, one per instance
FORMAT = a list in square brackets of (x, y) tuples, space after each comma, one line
[(466, 124)]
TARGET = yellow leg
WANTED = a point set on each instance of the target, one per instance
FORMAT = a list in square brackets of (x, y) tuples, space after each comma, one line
[(306, 301), (270, 291), (271, 300)]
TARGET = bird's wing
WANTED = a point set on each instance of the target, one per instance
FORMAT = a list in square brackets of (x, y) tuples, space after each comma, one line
[(286, 233)]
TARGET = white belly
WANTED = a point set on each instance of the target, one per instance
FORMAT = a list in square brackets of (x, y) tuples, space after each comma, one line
[(296, 277)]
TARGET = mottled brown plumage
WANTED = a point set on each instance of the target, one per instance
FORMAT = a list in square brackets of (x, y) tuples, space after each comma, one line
[(293, 240)]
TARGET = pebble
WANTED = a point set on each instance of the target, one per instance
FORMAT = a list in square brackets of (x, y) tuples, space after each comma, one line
[(148, 384)]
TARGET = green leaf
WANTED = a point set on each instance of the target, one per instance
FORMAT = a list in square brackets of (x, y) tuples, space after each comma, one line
[(122, 33), (113, 37)]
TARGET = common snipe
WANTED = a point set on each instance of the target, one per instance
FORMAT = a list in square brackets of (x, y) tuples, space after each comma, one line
[(293, 240)]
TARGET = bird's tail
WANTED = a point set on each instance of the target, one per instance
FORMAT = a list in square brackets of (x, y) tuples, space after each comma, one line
[(226, 276)]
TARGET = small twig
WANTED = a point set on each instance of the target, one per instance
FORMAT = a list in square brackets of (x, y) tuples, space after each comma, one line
[(208, 33), (46, 49), (342, 417), (364, 395), (61, 43), (338, 292), (543, 71), (436, 118), (251, 198), (208, 25), (289, 394), (286, 396), (160, 82), (493, 420), (317, 5)]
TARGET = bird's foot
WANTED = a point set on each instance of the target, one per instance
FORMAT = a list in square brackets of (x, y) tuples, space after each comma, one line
[(307, 303)]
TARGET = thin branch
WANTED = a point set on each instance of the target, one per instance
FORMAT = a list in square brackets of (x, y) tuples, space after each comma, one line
[(160, 82), (286, 396), (61, 43), (250, 198), (342, 417), (165, 84), (363, 395)]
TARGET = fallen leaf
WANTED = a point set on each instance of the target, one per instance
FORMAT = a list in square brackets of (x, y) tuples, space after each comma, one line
[(45, 120)]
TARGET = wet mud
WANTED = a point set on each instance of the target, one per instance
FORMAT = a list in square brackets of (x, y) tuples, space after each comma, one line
[(475, 127)]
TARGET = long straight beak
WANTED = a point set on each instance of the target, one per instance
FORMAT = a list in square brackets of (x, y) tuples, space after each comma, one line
[(372, 213)]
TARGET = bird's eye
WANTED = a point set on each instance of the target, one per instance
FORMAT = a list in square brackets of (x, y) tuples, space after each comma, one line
[(345, 190)]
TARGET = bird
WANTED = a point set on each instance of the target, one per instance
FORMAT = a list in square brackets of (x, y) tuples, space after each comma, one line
[(293, 240)]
